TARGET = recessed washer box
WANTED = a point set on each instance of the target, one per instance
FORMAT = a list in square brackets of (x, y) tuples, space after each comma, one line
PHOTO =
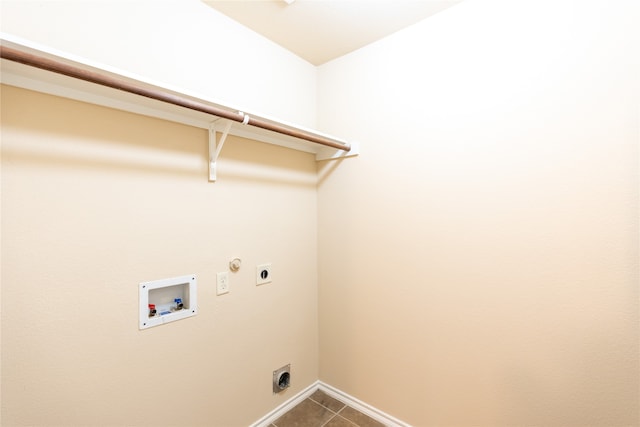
[(167, 300)]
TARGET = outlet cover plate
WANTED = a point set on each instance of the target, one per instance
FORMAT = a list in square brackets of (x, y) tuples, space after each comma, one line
[(222, 283), (263, 274)]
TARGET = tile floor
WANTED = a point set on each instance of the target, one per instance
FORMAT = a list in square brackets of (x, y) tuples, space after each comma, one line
[(321, 410)]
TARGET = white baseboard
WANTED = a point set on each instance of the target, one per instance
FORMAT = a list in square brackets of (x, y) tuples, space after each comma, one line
[(345, 398), (286, 406), (359, 405)]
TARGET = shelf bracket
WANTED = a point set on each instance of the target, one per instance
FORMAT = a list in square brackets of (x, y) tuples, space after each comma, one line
[(215, 146)]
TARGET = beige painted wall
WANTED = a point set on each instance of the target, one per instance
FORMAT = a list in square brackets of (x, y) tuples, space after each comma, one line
[(479, 259), (95, 201), (478, 263)]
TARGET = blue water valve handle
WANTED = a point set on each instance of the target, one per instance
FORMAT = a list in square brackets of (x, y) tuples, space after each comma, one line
[(179, 305)]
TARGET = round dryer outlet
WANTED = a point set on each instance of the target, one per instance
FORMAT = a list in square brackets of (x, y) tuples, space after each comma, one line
[(263, 274), (281, 378)]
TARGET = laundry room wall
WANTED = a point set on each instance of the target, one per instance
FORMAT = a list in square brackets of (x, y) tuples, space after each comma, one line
[(479, 259), (95, 201)]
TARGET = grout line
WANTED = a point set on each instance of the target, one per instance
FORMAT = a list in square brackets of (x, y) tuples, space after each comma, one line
[(360, 406), (334, 415), (338, 400), (326, 407), (346, 419), (320, 404)]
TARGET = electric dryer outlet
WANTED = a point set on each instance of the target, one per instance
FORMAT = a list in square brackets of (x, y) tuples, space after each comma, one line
[(263, 274)]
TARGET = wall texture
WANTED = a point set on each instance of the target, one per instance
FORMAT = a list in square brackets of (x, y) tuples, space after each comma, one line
[(479, 260), (95, 201)]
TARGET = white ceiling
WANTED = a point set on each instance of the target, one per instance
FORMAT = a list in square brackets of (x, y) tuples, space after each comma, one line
[(322, 30)]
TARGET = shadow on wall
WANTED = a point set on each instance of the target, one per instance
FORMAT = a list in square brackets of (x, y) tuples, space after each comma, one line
[(126, 142), (257, 163), (120, 142)]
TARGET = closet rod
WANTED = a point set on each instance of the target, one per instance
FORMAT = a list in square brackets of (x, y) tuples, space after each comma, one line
[(160, 95)]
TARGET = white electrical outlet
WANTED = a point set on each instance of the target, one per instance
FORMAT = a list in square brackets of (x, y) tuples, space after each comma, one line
[(263, 274), (222, 282)]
